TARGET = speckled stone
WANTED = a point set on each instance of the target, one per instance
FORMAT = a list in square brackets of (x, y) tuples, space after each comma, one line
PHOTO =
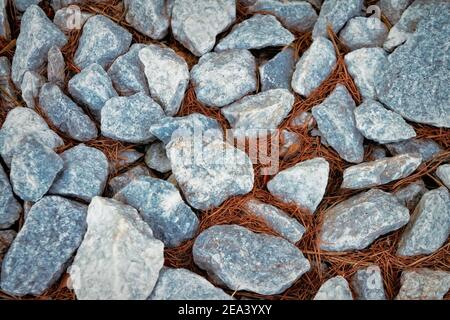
[(5, 30), (9, 207), (150, 17), (368, 284), (56, 66), (336, 288), (156, 158), (362, 32), (277, 72), (427, 148), (410, 195), (423, 284), (32, 83), (70, 18), (393, 9), (234, 256), (32, 265), (121, 181), (9, 95), (443, 173)]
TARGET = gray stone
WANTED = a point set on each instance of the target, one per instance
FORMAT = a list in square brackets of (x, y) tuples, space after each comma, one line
[(429, 227), (234, 256), (148, 17), (277, 72), (101, 41), (443, 173), (257, 32), (423, 284), (32, 83), (362, 32), (364, 65), (427, 148), (92, 87), (167, 76), (20, 123), (44, 246), (129, 119), (222, 78), (5, 30), (119, 259), (410, 195), (65, 114), (297, 16), (355, 223), (22, 5), (161, 206), (393, 9), (9, 207), (378, 153), (37, 35), (182, 284), (368, 284), (314, 67), (156, 158), (56, 66), (121, 181), (195, 24), (336, 288), (8, 97), (125, 158), (6, 238), (336, 122), (303, 184), (70, 18), (336, 13), (286, 226), (304, 118)]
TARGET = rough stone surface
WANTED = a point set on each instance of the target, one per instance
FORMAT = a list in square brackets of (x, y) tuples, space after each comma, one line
[(234, 256), (423, 284), (149, 17), (362, 32), (427, 148), (303, 184), (393, 9), (8, 97), (368, 284), (5, 30), (429, 227), (277, 72), (70, 18), (410, 195), (355, 223), (129, 119), (336, 123), (222, 78), (65, 114), (32, 83), (118, 259), (336, 288), (156, 158), (314, 66), (32, 265), (121, 181), (56, 66), (443, 173), (9, 207)]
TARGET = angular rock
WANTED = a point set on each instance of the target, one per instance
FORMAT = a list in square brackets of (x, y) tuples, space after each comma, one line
[(167, 76), (233, 256), (22, 5), (92, 88), (70, 18), (6, 238), (9, 207), (156, 158), (423, 284), (336, 122), (32, 265), (355, 223), (393, 9), (129, 119), (336, 288), (65, 114), (119, 259), (56, 66), (150, 17), (277, 72), (314, 67), (257, 32), (410, 195), (443, 173), (303, 184), (121, 181), (368, 284), (362, 32), (101, 42), (429, 227), (427, 148), (8, 97), (31, 86), (161, 206), (5, 30), (222, 78)]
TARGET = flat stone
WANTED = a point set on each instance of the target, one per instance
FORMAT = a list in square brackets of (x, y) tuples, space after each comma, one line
[(355, 223), (6, 238), (286, 226), (56, 66), (65, 114), (362, 32), (337, 124), (336, 13), (20, 123), (393, 9), (277, 72), (22, 5), (182, 284), (10, 208), (443, 173), (314, 67), (129, 119), (336, 288), (258, 32), (410, 195), (427, 148), (5, 30), (167, 76), (161, 206), (368, 284), (70, 18), (31, 86), (429, 227), (31, 265), (101, 42), (119, 259), (9, 96), (34, 167), (297, 16), (209, 171), (364, 65), (37, 35), (423, 284), (303, 184), (234, 256), (156, 158), (149, 17), (121, 181)]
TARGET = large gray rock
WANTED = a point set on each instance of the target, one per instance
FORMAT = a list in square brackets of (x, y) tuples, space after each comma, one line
[(222, 78), (70, 18), (182, 284), (355, 223), (121, 181), (393, 9), (65, 114), (39, 255), (149, 17), (257, 32), (56, 66), (32, 83), (156, 158), (336, 288), (368, 284), (9, 207), (161, 206), (429, 227), (277, 72), (37, 35), (167, 76), (234, 256), (410, 195), (303, 184), (5, 30), (92, 88), (423, 284), (443, 173), (362, 32), (336, 123), (101, 41), (427, 148), (195, 24), (119, 259), (129, 119), (9, 96)]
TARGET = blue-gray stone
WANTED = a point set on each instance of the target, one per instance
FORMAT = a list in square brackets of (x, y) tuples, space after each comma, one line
[(125, 158), (9, 207), (410, 195), (336, 288), (423, 284), (393, 9), (427, 148), (156, 158), (56, 66), (22, 5), (362, 32), (150, 17), (32, 83), (443, 173), (277, 72), (5, 30), (368, 284), (121, 181)]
